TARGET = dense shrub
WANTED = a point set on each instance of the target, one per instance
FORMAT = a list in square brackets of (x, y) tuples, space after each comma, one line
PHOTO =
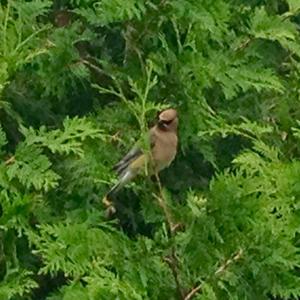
[(81, 80)]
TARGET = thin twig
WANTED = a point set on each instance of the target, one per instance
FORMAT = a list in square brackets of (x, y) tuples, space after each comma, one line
[(162, 203), (35, 33), (243, 45), (193, 292), (171, 260), (92, 66), (9, 161), (229, 261), (220, 270)]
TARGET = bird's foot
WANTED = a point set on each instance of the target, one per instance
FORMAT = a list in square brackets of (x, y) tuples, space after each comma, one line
[(110, 209)]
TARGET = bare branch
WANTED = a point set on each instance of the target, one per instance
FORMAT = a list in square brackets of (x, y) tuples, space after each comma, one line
[(172, 259), (193, 292), (172, 262), (220, 270), (10, 160)]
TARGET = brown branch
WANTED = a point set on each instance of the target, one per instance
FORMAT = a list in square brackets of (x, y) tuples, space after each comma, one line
[(244, 44), (92, 66), (192, 293), (10, 160), (162, 203), (228, 262), (220, 270), (171, 260)]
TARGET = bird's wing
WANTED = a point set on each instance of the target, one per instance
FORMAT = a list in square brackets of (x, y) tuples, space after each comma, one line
[(134, 154)]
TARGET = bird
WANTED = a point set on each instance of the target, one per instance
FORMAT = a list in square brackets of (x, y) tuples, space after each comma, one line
[(163, 141)]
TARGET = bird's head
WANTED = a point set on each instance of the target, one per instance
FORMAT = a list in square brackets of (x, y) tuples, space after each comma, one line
[(168, 120)]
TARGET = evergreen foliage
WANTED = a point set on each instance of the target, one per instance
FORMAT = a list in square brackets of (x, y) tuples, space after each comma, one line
[(81, 80)]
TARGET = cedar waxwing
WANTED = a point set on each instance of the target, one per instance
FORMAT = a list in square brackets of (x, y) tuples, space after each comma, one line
[(163, 147)]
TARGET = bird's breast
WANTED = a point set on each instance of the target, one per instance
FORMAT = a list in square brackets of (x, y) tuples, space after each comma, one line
[(164, 151)]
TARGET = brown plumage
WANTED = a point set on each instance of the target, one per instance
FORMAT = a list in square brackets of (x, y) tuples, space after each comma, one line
[(163, 148)]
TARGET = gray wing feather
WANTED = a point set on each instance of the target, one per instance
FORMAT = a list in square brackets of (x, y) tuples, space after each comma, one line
[(135, 152), (122, 165)]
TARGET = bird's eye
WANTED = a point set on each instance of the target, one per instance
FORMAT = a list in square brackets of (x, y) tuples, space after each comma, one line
[(168, 122)]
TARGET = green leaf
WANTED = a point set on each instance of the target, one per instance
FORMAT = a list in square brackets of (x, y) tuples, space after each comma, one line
[(32, 168), (68, 140), (3, 140)]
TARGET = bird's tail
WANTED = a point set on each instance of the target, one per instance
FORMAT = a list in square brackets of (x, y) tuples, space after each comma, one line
[(108, 198)]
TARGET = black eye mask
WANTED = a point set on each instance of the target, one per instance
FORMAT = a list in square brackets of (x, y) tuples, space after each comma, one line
[(167, 122)]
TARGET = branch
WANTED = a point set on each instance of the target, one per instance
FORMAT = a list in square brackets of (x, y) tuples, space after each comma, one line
[(192, 293), (171, 260), (10, 160), (228, 262), (172, 263), (162, 203), (173, 227), (220, 270), (244, 44)]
